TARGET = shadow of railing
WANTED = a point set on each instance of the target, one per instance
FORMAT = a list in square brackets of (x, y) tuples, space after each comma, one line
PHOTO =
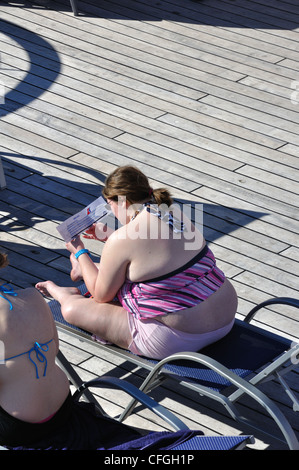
[(70, 194), (39, 77), (223, 13), (35, 199)]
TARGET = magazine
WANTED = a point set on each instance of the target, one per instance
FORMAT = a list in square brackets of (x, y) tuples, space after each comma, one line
[(78, 223)]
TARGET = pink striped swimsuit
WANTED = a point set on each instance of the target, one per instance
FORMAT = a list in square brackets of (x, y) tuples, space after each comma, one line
[(183, 288)]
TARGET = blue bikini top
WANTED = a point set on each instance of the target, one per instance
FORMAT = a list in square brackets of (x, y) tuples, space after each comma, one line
[(7, 290), (39, 349)]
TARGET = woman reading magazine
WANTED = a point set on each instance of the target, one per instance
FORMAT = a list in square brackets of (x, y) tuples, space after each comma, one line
[(152, 292)]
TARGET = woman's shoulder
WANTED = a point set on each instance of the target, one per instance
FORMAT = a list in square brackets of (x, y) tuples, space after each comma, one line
[(118, 246), (125, 235), (30, 294), (30, 303)]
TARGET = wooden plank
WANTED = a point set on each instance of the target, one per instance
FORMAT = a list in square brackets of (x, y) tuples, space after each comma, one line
[(290, 185), (51, 166), (263, 201), (37, 140), (275, 225), (258, 121), (215, 81)]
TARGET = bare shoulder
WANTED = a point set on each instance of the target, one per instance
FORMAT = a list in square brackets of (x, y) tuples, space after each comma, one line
[(32, 296), (31, 304), (119, 241), (118, 235)]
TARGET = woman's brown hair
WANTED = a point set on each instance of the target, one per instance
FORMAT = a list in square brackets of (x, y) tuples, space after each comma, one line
[(130, 182)]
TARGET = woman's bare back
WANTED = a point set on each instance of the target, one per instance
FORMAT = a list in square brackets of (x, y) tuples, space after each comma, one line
[(22, 394)]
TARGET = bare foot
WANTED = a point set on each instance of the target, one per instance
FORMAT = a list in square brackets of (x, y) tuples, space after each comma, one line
[(50, 289), (43, 288), (75, 273)]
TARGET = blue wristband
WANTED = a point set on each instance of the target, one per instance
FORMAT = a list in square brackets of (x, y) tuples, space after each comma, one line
[(80, 252)]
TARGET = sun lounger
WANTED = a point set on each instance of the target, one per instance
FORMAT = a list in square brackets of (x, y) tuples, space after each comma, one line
[(198, 442), (246, 357), (182, 438)]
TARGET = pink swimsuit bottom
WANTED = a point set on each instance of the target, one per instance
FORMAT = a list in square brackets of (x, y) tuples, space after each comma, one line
[(154, 339)]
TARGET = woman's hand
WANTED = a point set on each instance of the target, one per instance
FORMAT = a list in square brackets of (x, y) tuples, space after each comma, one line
[(97, 231), (75, 245)]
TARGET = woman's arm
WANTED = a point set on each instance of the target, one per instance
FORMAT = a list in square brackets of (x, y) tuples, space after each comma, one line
[(104, 279), (112, 269), (89, 269)]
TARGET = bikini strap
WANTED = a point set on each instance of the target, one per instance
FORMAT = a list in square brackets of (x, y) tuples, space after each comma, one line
[(8, 291), (39, 350), (175, 224)]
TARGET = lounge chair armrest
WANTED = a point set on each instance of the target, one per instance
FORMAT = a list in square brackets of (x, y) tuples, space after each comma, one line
[(134, 392), (278, 300), (240, 383)]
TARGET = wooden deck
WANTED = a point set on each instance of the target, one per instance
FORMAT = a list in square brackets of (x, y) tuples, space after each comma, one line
[(203, 96)]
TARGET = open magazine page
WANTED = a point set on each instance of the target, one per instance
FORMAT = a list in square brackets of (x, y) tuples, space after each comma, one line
[(78, 223)]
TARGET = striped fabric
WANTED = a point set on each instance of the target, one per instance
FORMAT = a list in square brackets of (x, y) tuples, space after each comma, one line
[(183, 288), (175, 224)]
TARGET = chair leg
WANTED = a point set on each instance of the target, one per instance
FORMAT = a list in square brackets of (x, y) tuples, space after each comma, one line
[(75, 379), (74, 7), (2, 176), (115, 383)]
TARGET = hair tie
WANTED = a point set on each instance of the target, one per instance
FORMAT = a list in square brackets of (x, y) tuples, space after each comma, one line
[(150, 192)]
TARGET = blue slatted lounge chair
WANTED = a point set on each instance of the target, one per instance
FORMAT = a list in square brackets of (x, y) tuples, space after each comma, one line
[(198, 442), (182, 438), (246, 357)]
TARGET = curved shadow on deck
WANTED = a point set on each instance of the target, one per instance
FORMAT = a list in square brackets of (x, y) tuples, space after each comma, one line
[(65, 196), (34, 199), (39, 77)]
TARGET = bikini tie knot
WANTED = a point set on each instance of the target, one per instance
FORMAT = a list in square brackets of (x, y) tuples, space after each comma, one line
[(7, 291), (39, 353)]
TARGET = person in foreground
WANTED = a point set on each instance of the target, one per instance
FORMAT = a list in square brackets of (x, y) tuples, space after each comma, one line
[(157, 289), (37, 410)]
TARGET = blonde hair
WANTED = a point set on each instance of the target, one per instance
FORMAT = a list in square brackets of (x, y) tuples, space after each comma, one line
[(130, 182), (3, 260)]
